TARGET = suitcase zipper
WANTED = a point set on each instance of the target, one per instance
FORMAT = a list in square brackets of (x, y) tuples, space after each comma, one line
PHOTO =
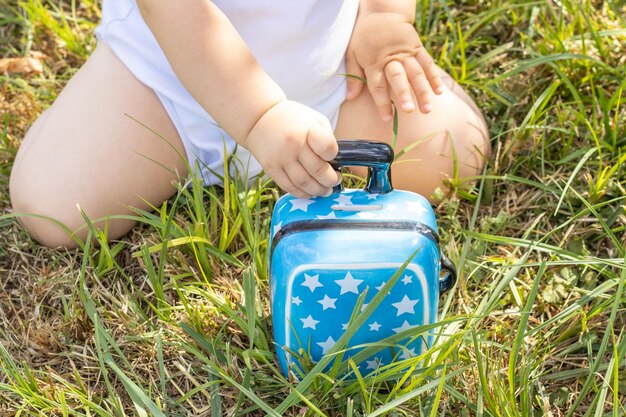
[(328, 224)]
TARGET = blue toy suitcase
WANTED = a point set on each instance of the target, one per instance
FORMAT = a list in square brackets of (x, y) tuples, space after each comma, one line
[(326, 251)]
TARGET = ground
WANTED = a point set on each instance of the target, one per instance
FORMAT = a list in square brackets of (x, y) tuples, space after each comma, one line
[(173, 319)]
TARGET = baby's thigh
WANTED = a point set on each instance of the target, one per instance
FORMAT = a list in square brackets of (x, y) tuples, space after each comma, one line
[(96, 147), (450, 141)]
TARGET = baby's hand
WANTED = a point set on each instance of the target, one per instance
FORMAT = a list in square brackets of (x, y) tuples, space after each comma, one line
[(293, 143), (386, 49)]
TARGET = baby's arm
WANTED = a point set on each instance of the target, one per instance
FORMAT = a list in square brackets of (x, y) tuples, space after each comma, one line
[(291, 142), (386, 49)]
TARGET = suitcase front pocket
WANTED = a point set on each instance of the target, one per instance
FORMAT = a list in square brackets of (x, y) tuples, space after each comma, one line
[(321, 298)]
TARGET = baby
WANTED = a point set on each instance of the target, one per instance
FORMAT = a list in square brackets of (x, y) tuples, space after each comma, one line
[(273, 82)]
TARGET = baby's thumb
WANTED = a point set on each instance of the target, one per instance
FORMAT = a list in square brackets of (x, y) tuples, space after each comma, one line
[(355, 75), (322, 141)]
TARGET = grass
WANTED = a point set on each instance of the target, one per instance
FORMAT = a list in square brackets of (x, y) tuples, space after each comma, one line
[(173, 319)]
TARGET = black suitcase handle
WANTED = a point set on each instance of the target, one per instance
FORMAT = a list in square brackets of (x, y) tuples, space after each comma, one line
[(377, 156)]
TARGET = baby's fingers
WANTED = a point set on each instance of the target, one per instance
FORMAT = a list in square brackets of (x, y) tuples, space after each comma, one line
[(355, 77), (421, 87), (430, 70), (397, 79), (305, 183), (319, 169), (377, 84), (282, 180)]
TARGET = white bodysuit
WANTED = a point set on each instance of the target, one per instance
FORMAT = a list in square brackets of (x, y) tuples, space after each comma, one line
[(301, 44)]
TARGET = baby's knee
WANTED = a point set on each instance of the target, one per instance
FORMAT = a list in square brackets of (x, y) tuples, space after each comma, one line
[(470, 145), (47, 231), (38, 215), (35, 200), (462, 138), (453, 147)]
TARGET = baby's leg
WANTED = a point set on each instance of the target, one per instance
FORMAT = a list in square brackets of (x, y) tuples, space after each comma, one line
[(454, 132), (85, 150)]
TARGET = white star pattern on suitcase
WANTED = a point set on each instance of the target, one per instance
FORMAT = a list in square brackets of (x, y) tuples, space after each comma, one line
[(323, 299)]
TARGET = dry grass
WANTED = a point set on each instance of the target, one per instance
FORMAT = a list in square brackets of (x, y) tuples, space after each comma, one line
[(68, 318)]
